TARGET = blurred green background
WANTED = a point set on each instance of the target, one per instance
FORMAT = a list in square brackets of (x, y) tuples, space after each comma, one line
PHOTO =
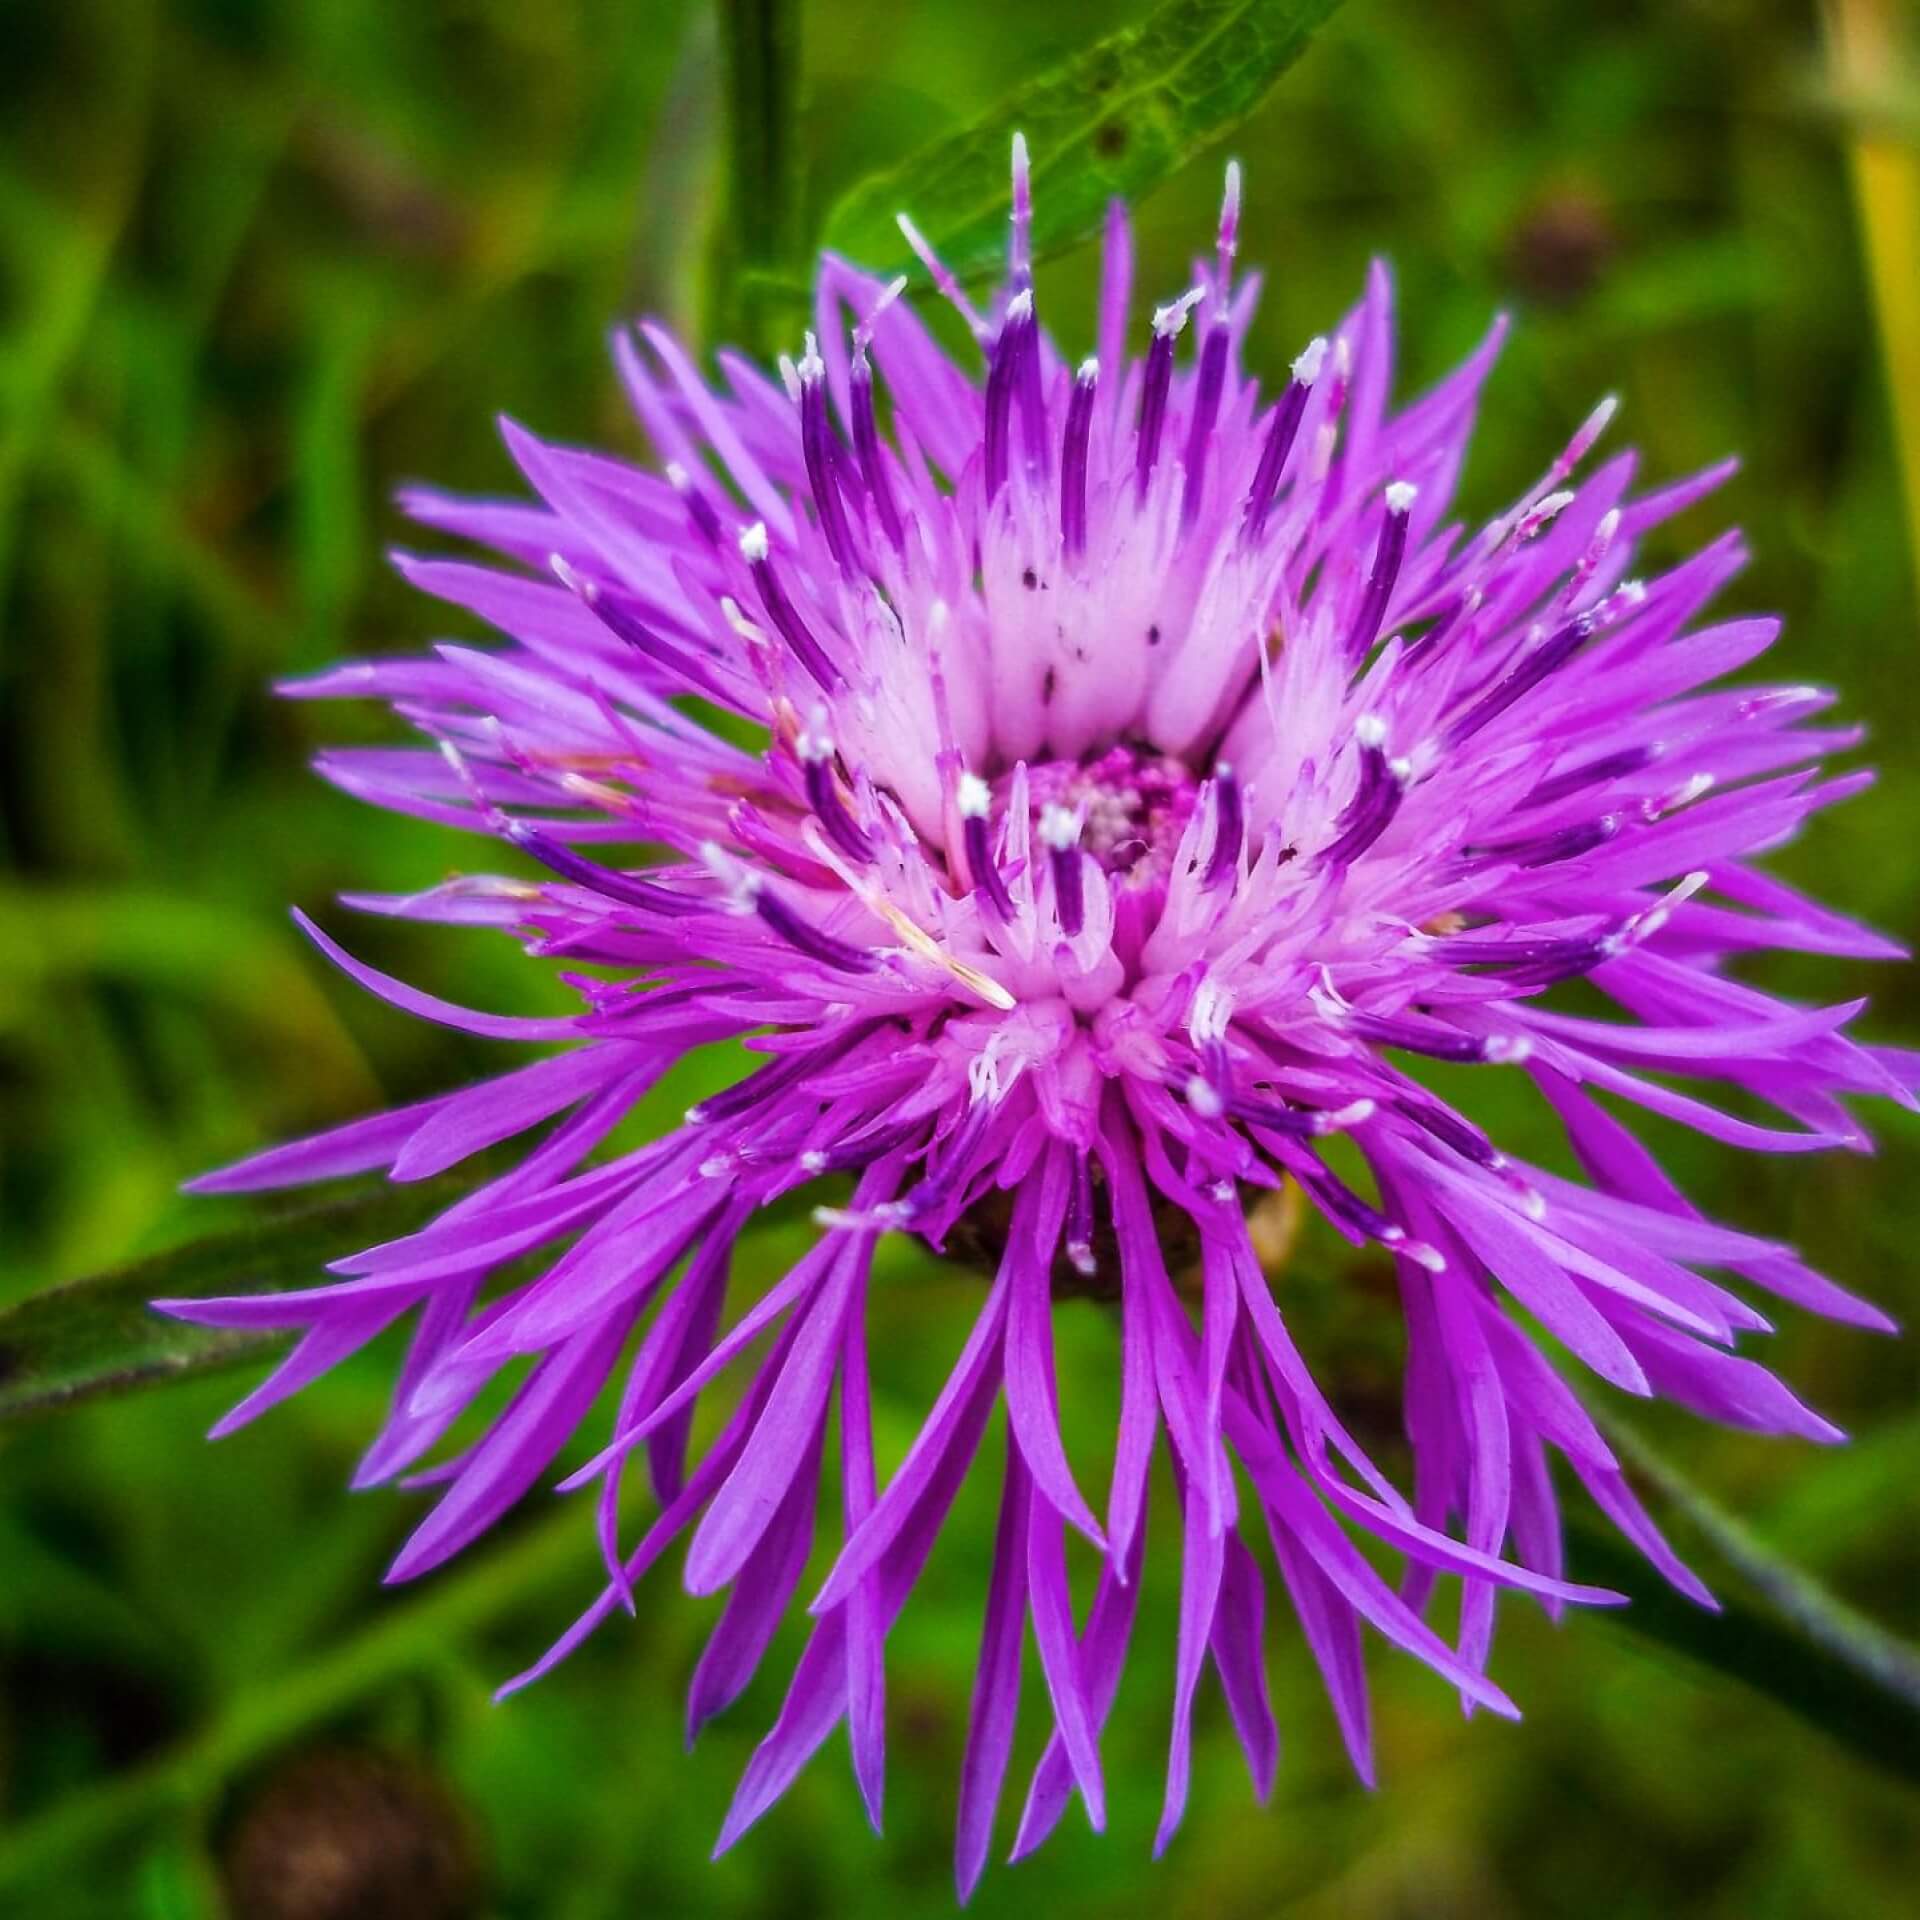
[(258, 263)]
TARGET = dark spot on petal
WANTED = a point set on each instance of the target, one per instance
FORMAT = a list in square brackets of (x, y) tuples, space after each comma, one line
[(1153, 636), (1029, 579), (1047, 686)]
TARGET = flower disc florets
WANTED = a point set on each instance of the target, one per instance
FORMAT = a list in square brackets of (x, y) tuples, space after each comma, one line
[(1154, 780)]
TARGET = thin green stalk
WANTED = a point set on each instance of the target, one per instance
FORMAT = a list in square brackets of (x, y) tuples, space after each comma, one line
[(760, 76), (1855, 1642)]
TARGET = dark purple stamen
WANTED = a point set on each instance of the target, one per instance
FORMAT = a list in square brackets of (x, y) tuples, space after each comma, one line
[(957, 1162), (589, 873), (863, 1150), (1568, 844), (1297, 1123), (1428, 1037), (823, 795), (1388, 552), (802, 934), (1344, 1207), (1229, 828), (1578, 959), (817, 444), (1614, 766), (1000, 383), (1508, 953), (1273, 456), (866, 441), (1206, 409), (1080, 1214), (1423, 645), (1073, 461), (1153, 406), (1369, 813), (1027, 382), (987, 877), (758, 1087), (785, 616), (1069, 889), (623, 617), (1548, 656), (1447, 1126), (699, 508)]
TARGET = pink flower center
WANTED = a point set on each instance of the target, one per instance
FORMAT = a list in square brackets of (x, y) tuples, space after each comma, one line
[(1134, 802)]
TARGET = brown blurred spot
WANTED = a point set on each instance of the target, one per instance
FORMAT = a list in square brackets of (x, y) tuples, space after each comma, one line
[(389, 200), (1562, 246), (346, 1833)]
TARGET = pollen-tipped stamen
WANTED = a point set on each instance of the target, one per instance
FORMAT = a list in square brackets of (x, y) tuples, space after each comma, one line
[(975, 801), (782, 612), (1073, 460), (1388, 553), (1059, 830)]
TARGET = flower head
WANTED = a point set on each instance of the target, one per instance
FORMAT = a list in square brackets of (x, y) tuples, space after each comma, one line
[(1145, 779)]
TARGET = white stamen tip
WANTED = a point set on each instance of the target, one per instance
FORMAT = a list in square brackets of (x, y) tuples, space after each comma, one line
[(716, 1168), (1423, 1255), (753, 543), (812, 367), (1203, 1098), (1505, 1049), (1059, 827), (1089, 370), (677, 477), (1080, 1257), (1355, 1113), (789, 377), (1311, 358), (1401, 496), (1020, 307), (813, 1161), (572, 580), (1171, 318), (975, 797), (1370, 730)]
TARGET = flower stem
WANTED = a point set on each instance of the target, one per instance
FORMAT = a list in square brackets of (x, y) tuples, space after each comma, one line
[(1868, 1650), (760, 69)]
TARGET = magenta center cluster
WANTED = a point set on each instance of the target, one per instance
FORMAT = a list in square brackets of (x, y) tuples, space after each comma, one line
[(1133, 803)]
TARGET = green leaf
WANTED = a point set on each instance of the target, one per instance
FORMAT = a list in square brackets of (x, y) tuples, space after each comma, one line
[(1116, 119), (1779, 1630), (99, 1336)]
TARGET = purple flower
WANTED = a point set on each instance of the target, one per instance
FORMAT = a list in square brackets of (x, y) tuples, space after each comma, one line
[(1146, 779)]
